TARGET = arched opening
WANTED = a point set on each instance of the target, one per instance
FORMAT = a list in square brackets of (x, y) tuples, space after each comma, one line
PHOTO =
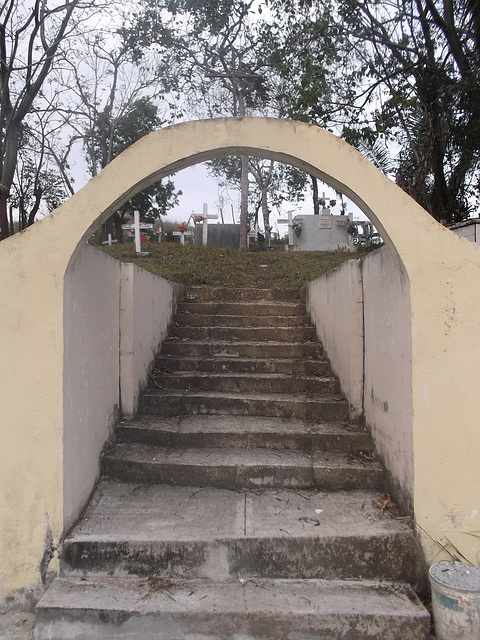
[(425, 253), (443, 275), (313, 151)]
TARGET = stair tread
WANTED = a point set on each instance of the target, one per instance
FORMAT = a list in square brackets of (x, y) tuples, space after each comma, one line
[(302, 324), (236, 457), (244, 376), (254, 343), (277, 397), (240, 424), (229, 358), (303, 320), (122, 511), (274, 597)]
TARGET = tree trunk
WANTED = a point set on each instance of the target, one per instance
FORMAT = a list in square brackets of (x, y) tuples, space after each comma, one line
[(244, 205), (4, 232), (118, 221), (266, 215), (316, 204)]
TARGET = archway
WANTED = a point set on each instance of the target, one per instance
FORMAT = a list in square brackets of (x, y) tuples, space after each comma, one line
[(444, 276)]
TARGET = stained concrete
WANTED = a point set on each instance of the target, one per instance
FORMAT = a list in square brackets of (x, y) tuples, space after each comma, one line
[(237, 468), (16, 624), (163, 530), (244, 432), (244, 610)]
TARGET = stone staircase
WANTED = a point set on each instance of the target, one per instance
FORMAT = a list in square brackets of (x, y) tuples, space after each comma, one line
[(241, 504)]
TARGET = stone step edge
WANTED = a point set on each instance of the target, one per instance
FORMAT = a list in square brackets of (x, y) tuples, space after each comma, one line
[(323, 360), (298, 398), (250, 425), (180, 456), (273, 599), (181, 373)]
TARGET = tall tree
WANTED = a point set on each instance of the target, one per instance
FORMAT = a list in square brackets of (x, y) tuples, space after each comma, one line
[(215, 43), (410, 77), (115, 97), (273, 184), (156, 200), (30, 36)]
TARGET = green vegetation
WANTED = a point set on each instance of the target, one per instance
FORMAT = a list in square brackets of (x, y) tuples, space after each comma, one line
[(197, 265)]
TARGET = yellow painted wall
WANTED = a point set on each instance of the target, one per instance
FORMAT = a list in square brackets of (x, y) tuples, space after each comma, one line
[(444, 274)]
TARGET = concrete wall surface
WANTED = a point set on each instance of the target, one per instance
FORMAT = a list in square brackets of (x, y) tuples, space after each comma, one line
[(225, 236), (362, 314), (443, 271), (116, 316), (325, 232), (147, 306), (334, 302), (52, 434), (91, 371), (388, 369)]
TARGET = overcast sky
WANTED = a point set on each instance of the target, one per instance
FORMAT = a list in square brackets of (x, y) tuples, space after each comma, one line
[(199, 188)]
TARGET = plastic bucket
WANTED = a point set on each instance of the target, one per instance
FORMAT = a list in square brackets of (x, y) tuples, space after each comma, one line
[(455, 600)]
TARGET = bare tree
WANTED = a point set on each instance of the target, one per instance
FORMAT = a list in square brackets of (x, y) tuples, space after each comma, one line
[(30, 37), (114, 93)]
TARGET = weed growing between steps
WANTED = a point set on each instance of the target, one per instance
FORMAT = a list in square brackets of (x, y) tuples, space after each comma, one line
[(198, 265)]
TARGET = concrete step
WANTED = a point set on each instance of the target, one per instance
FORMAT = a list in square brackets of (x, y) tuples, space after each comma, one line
[(237, 349), (172, 403), (187, 318), (310, 367), (225, 294), (245, 382), (235, 468), (244, 432), (250, 308), (244, 334), (151, 609), (220, 534)]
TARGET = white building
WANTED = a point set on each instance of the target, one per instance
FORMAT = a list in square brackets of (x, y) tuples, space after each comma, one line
[(469, 229)]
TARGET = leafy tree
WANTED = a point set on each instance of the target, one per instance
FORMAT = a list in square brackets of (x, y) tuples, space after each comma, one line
[(409, 78), (35, 183), (213, 42), (157, 199), (274, 183)]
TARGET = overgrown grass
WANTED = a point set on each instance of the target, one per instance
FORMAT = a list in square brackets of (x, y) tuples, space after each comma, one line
[(197, 265)]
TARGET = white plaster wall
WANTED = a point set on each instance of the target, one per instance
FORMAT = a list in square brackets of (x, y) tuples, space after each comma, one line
[(147, 305), (116, 316), (375, 370), (334, 302), (91, 371), (388, 369)]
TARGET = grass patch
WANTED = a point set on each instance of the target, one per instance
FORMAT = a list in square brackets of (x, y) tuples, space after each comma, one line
[(198, 265)]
